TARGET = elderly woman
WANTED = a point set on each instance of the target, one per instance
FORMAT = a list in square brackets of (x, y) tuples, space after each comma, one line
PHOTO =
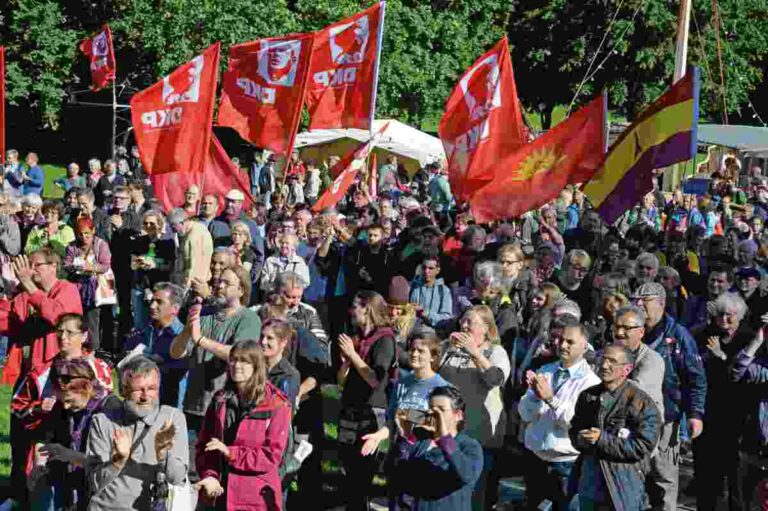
[(73, 179), (29, 216), (478, 366), (241, 245), (86, 260), (80, 396), (286, 260), (716, 451), (54, 233)]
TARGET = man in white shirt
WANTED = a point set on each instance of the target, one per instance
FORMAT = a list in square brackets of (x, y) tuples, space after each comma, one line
[(547, 408)]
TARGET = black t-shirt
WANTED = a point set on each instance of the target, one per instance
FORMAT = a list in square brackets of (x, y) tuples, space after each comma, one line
[(380, 358), (582, 295)]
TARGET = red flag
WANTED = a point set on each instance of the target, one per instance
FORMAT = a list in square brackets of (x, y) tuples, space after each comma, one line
[(2, 105), (537, 172), (99, 51), (347, 169), (220, 175), (172, 118), (263, 90), (483, 122), (344, 71)]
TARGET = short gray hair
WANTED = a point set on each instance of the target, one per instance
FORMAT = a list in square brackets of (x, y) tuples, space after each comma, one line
[(566, 306), (638, 312), (578, 253), (668, 271), (177, 216), (648, 258), (289, 279), (176, 293), (731, 301), (134, 367)]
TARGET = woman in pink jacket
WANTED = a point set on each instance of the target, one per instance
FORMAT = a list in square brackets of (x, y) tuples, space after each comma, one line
[(244, 435)]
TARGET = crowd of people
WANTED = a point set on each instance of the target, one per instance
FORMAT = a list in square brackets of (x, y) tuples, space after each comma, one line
[(592, 355)]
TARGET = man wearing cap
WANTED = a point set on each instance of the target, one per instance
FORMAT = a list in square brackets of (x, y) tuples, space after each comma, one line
[(684, 391), (748, 283), (233, 212)]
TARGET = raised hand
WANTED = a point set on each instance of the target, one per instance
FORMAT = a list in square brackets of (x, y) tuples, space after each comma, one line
[(164, 439), (122, 439), (217, 445)]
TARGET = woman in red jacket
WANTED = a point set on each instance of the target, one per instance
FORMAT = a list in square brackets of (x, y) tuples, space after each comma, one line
[(244, 434)]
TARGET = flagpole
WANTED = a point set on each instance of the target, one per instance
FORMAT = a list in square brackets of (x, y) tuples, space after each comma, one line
[(114, 117), (673, 175), (379, 39)]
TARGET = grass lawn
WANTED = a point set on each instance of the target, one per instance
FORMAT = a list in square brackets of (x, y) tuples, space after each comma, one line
[(53, 172), (5, 426)]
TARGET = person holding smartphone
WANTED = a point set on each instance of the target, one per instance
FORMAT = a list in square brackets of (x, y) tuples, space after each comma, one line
[(438, 464)]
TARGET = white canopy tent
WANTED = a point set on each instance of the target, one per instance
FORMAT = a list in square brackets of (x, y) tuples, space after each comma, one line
[(413, 147)]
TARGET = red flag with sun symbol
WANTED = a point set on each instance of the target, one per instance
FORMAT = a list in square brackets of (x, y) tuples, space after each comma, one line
[(537, 172)]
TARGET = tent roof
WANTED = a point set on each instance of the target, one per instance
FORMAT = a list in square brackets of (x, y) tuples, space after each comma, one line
[(748, 139), (399, 138)]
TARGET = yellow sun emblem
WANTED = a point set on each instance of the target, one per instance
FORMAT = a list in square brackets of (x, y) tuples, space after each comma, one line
[(537, 162)]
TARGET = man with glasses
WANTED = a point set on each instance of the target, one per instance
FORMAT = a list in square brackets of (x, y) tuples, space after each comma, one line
[(616, 427), (628, 331), (684, 391), (31, 317), (546, 408)]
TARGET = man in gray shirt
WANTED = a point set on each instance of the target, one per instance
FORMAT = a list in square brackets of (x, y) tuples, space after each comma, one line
[(136, 447), (628, 330)]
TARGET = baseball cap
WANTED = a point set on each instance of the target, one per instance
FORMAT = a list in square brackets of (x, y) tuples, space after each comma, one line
[(749, 272), (649, 290), (235, 194)]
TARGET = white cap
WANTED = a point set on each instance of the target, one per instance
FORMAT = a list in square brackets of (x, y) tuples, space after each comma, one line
[(235, 194)]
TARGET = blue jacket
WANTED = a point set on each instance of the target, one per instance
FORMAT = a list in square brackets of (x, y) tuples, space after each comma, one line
[(440, 479), (436, 301), (685, 382), (35, 183)]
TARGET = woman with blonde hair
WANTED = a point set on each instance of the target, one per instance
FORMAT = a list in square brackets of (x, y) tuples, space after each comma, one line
[(478, 366), (245, 432)]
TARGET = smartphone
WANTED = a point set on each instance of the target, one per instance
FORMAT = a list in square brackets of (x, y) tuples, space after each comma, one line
[(416, 416)]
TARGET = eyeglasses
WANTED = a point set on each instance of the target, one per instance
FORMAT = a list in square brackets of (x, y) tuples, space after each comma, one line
[(120, 197), (626, 328), (516, 261), (66, 379), (67, 333)]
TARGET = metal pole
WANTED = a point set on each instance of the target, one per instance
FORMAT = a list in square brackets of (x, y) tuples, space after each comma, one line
[(673, 175), (114, 119)]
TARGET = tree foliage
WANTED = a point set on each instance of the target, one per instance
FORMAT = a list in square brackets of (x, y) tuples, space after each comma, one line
[(427, 45)]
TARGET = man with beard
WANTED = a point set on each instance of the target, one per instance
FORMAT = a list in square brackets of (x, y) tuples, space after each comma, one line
[(571, 280), (646, 269), (207, 338), (136, 446)]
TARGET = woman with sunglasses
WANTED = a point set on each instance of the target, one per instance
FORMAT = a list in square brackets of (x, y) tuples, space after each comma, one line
[(80, 396), (36, 397), (240, 446)]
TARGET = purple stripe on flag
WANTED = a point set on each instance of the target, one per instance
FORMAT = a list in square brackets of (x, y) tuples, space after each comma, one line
[(636, 181)]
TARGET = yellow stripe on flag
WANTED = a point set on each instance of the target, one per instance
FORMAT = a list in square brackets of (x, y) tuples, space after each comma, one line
[(653, 131)]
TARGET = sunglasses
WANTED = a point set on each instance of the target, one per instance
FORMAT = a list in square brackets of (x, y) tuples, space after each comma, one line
[(66, 379)]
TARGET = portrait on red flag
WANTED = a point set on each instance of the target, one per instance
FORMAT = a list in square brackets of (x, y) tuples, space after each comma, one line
[(263, 88), (101, 55), (343, 71), (172, 118)]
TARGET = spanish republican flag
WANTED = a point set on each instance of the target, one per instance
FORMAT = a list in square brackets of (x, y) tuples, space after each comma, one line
[(536, 173), (663, 134)]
